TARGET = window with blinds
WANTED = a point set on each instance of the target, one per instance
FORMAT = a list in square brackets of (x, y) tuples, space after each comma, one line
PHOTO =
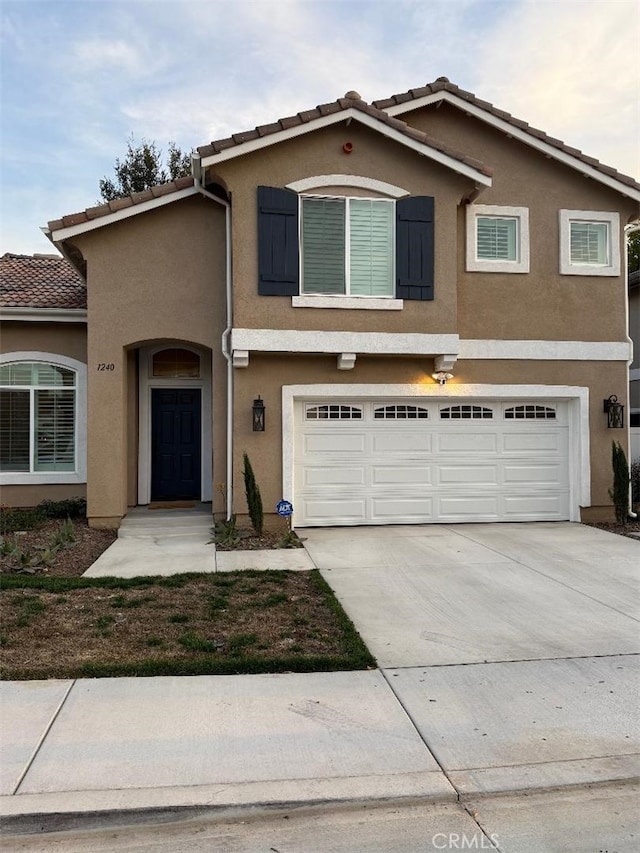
[(37, 417), (497, 238), (589, 242), (347, 246)]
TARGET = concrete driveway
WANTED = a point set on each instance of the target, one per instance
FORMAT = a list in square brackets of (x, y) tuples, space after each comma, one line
[(470, 593), (512, 647)]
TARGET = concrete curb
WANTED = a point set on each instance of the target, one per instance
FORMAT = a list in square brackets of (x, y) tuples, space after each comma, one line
[(25, 814)]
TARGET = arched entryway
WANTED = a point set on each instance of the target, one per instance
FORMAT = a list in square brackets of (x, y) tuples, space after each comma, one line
[(174, 444)]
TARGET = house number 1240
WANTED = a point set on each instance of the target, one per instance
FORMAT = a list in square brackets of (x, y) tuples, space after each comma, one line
[(103, 366)]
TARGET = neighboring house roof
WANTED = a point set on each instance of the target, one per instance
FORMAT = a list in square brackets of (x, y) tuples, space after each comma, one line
[(443, 89), (40, 281)]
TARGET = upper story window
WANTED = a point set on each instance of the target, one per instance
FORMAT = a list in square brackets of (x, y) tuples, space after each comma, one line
[(497, 239), (347, 246), (37, 417), (589, 243), (338, 250), (176, 364)]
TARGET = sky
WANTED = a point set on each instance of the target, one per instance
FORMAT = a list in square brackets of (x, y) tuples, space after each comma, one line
[(78, 77)]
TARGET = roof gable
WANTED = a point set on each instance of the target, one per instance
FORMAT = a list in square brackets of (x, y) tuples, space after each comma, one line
[(443, 90), (349, 108)]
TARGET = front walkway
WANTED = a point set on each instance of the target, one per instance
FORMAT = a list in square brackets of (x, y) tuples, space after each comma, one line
[(175, 541)]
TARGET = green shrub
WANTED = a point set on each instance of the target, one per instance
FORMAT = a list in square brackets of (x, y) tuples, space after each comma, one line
[(635, 480), (226, 533), (13, 519), (619, 493), (254, 500), (70, 508)]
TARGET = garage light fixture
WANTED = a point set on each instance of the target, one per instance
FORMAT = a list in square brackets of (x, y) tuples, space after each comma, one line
[(615, 412), (258, 415), (442, 377)]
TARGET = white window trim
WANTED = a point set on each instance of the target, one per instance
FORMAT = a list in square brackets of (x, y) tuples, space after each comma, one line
[(337, 299), (612, 219), (26, 478), (360, 181), (475, 264), (324, 300)]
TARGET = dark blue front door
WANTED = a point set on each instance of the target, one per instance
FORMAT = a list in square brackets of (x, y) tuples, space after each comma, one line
[(175, 444)]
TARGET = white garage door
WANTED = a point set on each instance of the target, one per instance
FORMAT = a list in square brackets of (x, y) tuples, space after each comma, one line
[(408, 461)]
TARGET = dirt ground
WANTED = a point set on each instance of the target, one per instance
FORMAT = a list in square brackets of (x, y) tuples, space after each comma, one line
[(621, 529), (71, 561)]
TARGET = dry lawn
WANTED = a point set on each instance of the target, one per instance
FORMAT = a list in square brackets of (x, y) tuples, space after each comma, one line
[(56, 624)]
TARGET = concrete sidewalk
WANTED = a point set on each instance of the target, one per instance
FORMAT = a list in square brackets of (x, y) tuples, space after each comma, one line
[(424, 727)]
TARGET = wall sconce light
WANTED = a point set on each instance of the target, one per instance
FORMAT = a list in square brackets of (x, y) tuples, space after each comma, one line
[(615, 412), (442, 377), (258, 415)]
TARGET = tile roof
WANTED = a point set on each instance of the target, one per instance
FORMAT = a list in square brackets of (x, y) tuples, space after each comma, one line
[(40, 281), (443, 84), (351, 100), (121, 204)]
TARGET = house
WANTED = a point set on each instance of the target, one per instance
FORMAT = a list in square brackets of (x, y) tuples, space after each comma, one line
[(634, 371), (43, 379), (405, 311)]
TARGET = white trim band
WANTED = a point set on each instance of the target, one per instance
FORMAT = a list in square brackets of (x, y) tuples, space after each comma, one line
[(44, 315), (391, 343), (545, 350), (375, 343)]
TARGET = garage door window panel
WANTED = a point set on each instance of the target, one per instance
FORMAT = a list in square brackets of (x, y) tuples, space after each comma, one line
[(456, 413), (530, 412), (400, 412), (332, 412)]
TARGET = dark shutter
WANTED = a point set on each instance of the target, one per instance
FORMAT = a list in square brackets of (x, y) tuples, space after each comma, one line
[(414, 248), (277, 242)]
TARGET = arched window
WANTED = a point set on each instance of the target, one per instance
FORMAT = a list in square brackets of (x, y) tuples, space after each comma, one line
[(176, 364), (38, 414)]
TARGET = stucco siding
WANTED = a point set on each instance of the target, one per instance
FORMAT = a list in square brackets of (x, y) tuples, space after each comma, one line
[(157, 278), (68, 339), (267, 374), (320, 153), (542, 304)]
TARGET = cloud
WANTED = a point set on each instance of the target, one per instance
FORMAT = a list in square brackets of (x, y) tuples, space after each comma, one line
[(101, 53), (570, 69)]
